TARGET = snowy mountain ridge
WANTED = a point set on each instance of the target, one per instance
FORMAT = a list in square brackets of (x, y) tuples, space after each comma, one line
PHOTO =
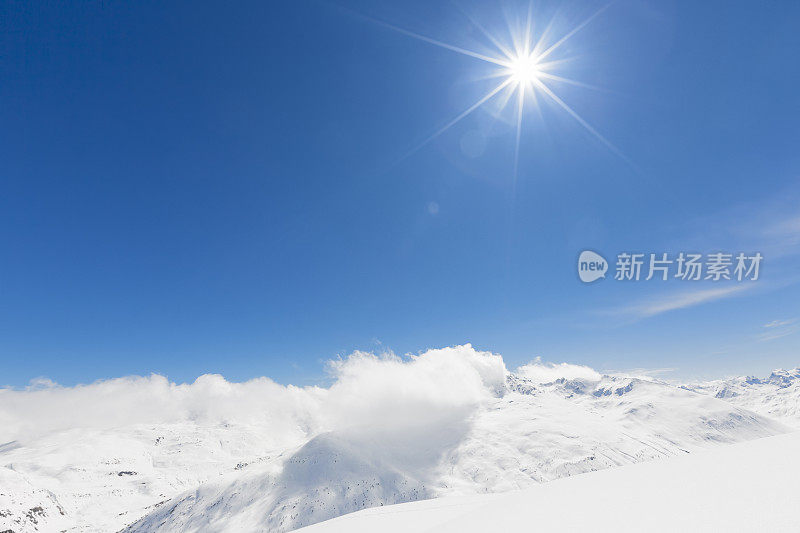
[(777, 396), (257, 456), (533, 433)]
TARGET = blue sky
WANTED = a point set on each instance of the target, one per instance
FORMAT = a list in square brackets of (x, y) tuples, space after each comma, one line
[(239, 188)]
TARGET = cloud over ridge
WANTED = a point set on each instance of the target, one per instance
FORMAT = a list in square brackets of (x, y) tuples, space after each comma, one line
[(415, 390)]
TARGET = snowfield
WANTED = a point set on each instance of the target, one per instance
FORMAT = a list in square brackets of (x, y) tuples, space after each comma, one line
[(745, 487), (146, 455)]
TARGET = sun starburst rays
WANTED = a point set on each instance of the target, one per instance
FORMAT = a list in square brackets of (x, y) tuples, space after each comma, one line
[(522, 71), (464, 113)]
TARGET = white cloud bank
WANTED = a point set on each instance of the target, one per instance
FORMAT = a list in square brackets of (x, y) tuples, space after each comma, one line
[(541, 372), (370, 395)]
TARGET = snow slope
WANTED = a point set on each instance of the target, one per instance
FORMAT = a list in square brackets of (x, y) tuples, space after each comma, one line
[(24, 508), (745, 487)]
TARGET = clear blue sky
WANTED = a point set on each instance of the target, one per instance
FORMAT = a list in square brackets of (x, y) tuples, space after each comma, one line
[(226, 187)]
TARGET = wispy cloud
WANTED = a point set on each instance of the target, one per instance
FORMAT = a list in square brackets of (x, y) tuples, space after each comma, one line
[(786, 229), (779, 323), (770, 226), (779, 328), (662, 304)]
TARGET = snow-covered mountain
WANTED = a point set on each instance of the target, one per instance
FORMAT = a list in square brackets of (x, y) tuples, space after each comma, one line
[(777, 396), (100, 480), (147, 455), (531, 433), (25, 508)]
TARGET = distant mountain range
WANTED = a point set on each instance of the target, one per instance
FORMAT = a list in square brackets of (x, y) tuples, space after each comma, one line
[(777, 396), (193, 475)]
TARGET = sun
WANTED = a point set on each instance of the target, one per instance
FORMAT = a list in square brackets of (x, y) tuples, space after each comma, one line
[(526, 71), (523, 69)]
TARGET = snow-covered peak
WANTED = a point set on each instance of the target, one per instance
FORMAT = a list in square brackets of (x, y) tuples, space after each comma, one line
[(777, 395)]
